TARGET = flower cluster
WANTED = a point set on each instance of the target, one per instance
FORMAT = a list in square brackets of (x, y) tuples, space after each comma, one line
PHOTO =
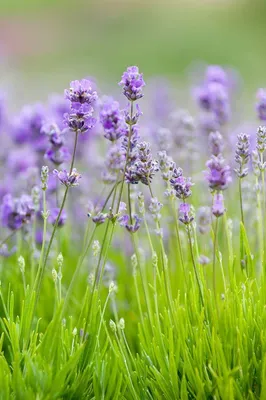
[(132, 83), (26, 127), (180, 184), (15, 212), (213, 95), (57, 153), (219, 175), (144, 167), (68, 179), (112, 120), (82, 99), (261, 104), (242, 154)]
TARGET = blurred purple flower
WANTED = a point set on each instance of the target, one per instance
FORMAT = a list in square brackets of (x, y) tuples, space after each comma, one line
[(112, 120), (54, 212), (218, 205), (131, 227), (261, 104), (219, 175), (16, 212)]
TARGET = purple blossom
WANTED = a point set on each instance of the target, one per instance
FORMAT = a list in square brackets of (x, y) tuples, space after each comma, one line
[(55, 135), (21, 160), (133, 83), (26, 127), (242, 154), (180, 184), (218, 205), (16, 212), (215, 73), (261, 104), (112, 120), (82, 100), (219, 175), (131, 227), (68, 179), (216, 144), (204, 219), (144, 167), (58, 156), (54, 212), (81, 92), (185, 215)]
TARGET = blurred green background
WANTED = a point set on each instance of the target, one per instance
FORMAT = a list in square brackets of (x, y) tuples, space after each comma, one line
[(51, 42)]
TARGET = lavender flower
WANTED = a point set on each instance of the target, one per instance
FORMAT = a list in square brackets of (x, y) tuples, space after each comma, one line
[(242, 154), (215, 73), (81, 92), (218, 205), (15, 212), (132, 82), (261, 139), (68, 179), (112, 120), (204, 219), (26, 127), (256, 162), (53, 215), (82, 100), (155, 208), (57, 156), (144, 168), (180, 184), (185, 215), (131, 227), (261, 104), (219, 175), (114, 163), (216, 144)]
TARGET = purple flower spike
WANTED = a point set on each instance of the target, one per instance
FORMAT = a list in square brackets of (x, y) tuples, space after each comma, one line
[(125, 221), (58, 156), (68, 179), (218, 205), (216, 143), (81, 92), (261, 104), (132, 82), (16, 212), (180, 184), (53, 217), (219, 175), (184, 214), (217, 74), (82, 99), (112, 120)]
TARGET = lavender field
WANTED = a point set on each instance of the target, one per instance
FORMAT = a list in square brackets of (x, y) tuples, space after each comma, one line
[(133, 242)]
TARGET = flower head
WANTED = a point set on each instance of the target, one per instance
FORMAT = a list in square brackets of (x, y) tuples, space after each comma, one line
[(216, 144), (180, 184), (53, 215), (131, 227), (185, 215), (218, 205), (242, 154), (261, 104), (219, 175), (16, 212), (81, 92), (112, 120), (133, 83), (68, 179)]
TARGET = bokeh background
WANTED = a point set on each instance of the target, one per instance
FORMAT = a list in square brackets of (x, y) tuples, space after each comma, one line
[(46, 43)]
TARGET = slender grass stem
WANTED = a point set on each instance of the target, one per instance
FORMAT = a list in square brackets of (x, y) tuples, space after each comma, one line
[(214, 259), (194, 266)]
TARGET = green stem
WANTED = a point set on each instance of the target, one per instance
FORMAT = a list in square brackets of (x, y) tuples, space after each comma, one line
[(241, 201), (214, 259), (194, 266)]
